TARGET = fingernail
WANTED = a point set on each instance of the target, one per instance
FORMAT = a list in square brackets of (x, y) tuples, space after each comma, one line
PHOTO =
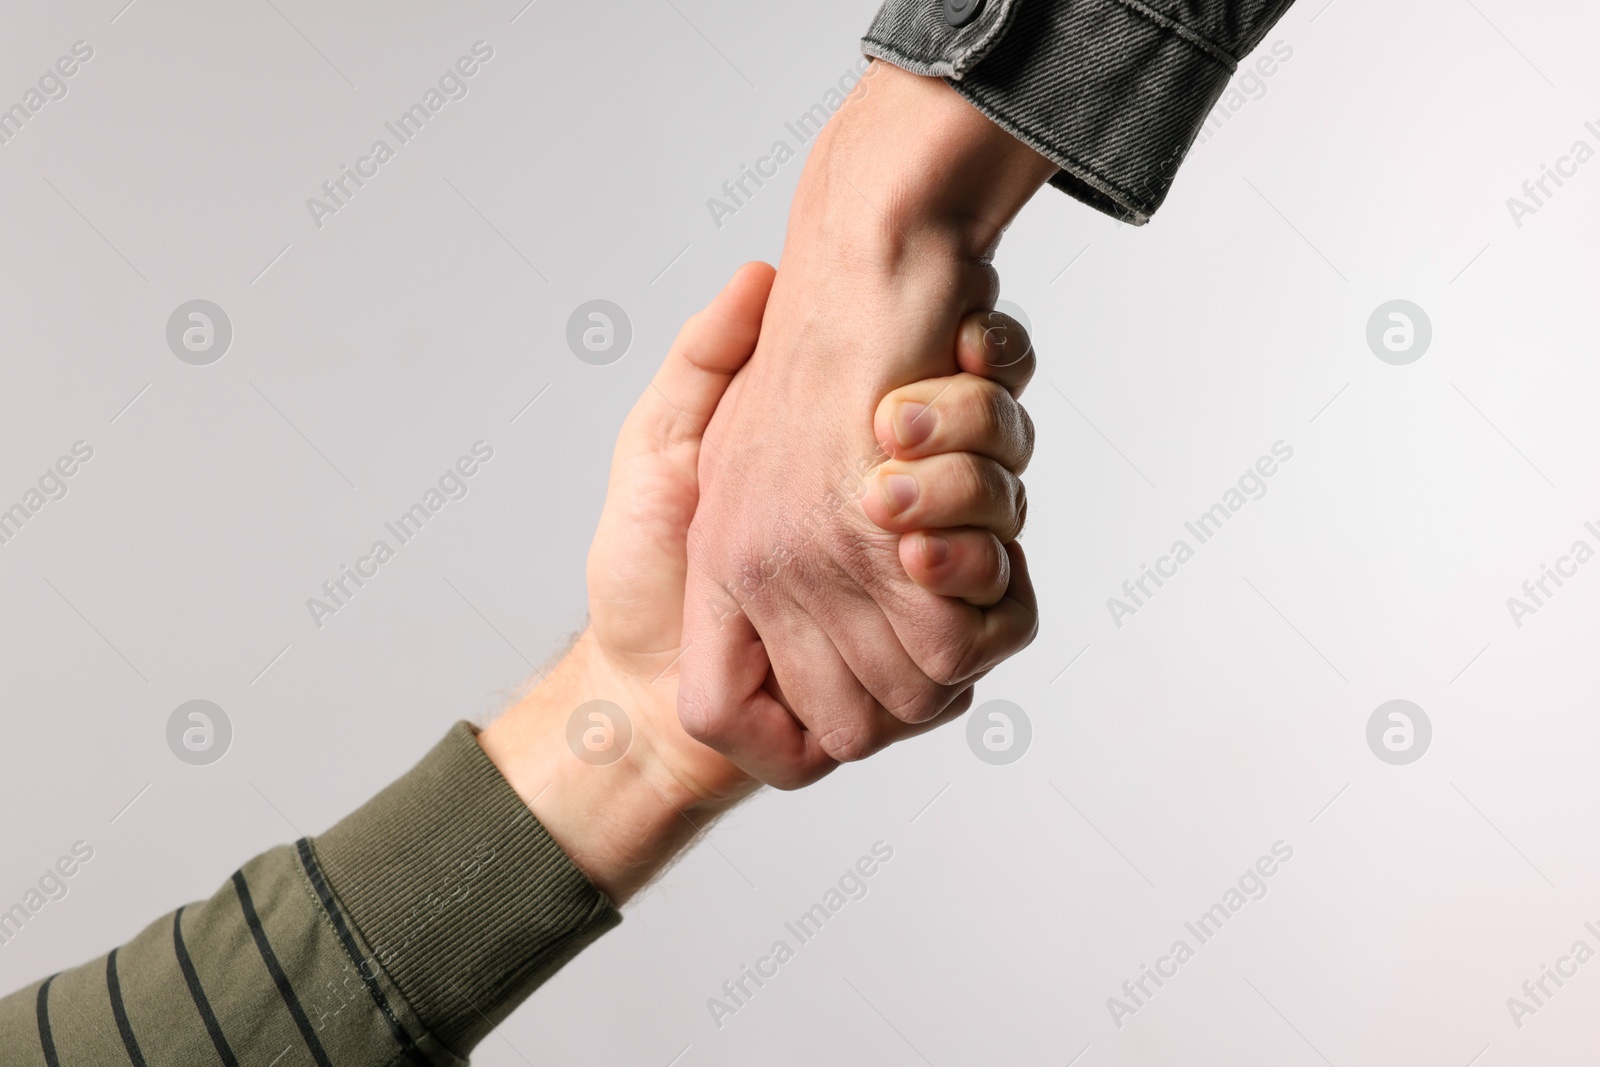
[(935, 550), (899, 492), (913, 424)]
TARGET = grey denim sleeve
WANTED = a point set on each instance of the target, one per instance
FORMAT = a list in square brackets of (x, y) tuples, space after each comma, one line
[(1112, 91)]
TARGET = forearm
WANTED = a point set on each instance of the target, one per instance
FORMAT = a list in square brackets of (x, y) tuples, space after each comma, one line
[(621, 818)]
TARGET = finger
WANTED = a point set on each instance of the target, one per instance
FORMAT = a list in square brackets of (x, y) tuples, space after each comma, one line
[(1011, 625), (993, 345), (959, 703), (959, 489), (722, 698), (872, 651), (954, 710), (846, 720), (956, 646), (968, 564), (708, 351), (963, 413)]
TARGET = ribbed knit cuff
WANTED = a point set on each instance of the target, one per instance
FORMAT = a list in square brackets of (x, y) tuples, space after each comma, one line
[(464, 898)]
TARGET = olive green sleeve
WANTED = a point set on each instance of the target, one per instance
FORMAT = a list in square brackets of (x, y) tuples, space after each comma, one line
[(403, 935)]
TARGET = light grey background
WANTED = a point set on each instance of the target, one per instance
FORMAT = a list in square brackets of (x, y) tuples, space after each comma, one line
[(1228, 714)]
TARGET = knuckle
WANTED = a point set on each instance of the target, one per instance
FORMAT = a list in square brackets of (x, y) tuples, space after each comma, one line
[(999, 415), (1001, 491), (848, 742), (700, 721), (916, 704), (1019, 511), (941, 640), (948, 661), (971, 482), (979, 411), (1029, 437)]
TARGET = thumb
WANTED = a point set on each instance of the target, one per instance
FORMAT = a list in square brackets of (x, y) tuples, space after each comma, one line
[(711, 348), (639, 556)]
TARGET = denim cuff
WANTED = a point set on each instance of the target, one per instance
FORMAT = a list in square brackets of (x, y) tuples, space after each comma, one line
[(1113, 92), (914, 36)]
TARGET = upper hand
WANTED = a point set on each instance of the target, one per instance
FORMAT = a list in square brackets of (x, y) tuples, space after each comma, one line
[(808, 638), (969, 442)]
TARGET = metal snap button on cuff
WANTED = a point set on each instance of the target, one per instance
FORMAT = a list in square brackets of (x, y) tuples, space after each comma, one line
[(961, 12)]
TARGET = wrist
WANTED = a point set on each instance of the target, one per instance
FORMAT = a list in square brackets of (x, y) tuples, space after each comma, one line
[(910, 161), (607, 782)]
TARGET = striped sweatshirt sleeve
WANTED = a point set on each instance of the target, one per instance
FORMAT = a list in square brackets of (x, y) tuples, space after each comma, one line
[(401, 936)]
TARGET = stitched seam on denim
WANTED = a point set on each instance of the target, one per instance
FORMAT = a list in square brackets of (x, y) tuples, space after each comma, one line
[(993, 24), (1177, 29), (1085, 189), (896, 55), (1188, 35), (1068, 162), (984, 43)]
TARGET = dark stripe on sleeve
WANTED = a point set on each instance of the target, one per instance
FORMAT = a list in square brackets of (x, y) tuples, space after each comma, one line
[(197, 993), (120, 1012), (47, 1040), (363, 967), (274, 968)]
